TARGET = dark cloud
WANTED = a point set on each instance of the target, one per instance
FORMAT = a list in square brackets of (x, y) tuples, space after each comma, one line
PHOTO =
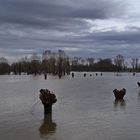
[(49, 13), (36, 25)]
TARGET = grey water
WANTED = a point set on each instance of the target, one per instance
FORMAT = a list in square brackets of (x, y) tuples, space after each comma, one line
[(86, 108)]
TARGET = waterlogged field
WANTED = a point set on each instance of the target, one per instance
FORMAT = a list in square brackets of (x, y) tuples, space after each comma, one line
[(86, 108)]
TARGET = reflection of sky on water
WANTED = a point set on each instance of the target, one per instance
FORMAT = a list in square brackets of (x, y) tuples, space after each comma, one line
[(85, 108)]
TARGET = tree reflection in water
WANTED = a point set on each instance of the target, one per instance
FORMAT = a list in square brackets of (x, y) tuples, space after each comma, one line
[(119, 103), (47, 127), (138, 92)]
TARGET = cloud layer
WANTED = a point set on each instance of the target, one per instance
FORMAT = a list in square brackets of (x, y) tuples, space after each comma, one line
[(94, 28)]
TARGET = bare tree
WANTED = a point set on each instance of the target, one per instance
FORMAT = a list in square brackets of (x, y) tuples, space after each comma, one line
[(119, 62), (90, 61), (134, 63)]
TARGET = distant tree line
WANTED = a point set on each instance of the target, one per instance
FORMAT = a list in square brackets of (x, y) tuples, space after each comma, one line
[(108, 65), (101, 65), (61, 65), (4, 68), (54, 65)]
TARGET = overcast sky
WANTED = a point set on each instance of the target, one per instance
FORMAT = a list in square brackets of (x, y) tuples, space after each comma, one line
[(89, 28)]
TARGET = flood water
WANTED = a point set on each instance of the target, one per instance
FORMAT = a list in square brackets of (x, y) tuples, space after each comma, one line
[(85, 110)]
